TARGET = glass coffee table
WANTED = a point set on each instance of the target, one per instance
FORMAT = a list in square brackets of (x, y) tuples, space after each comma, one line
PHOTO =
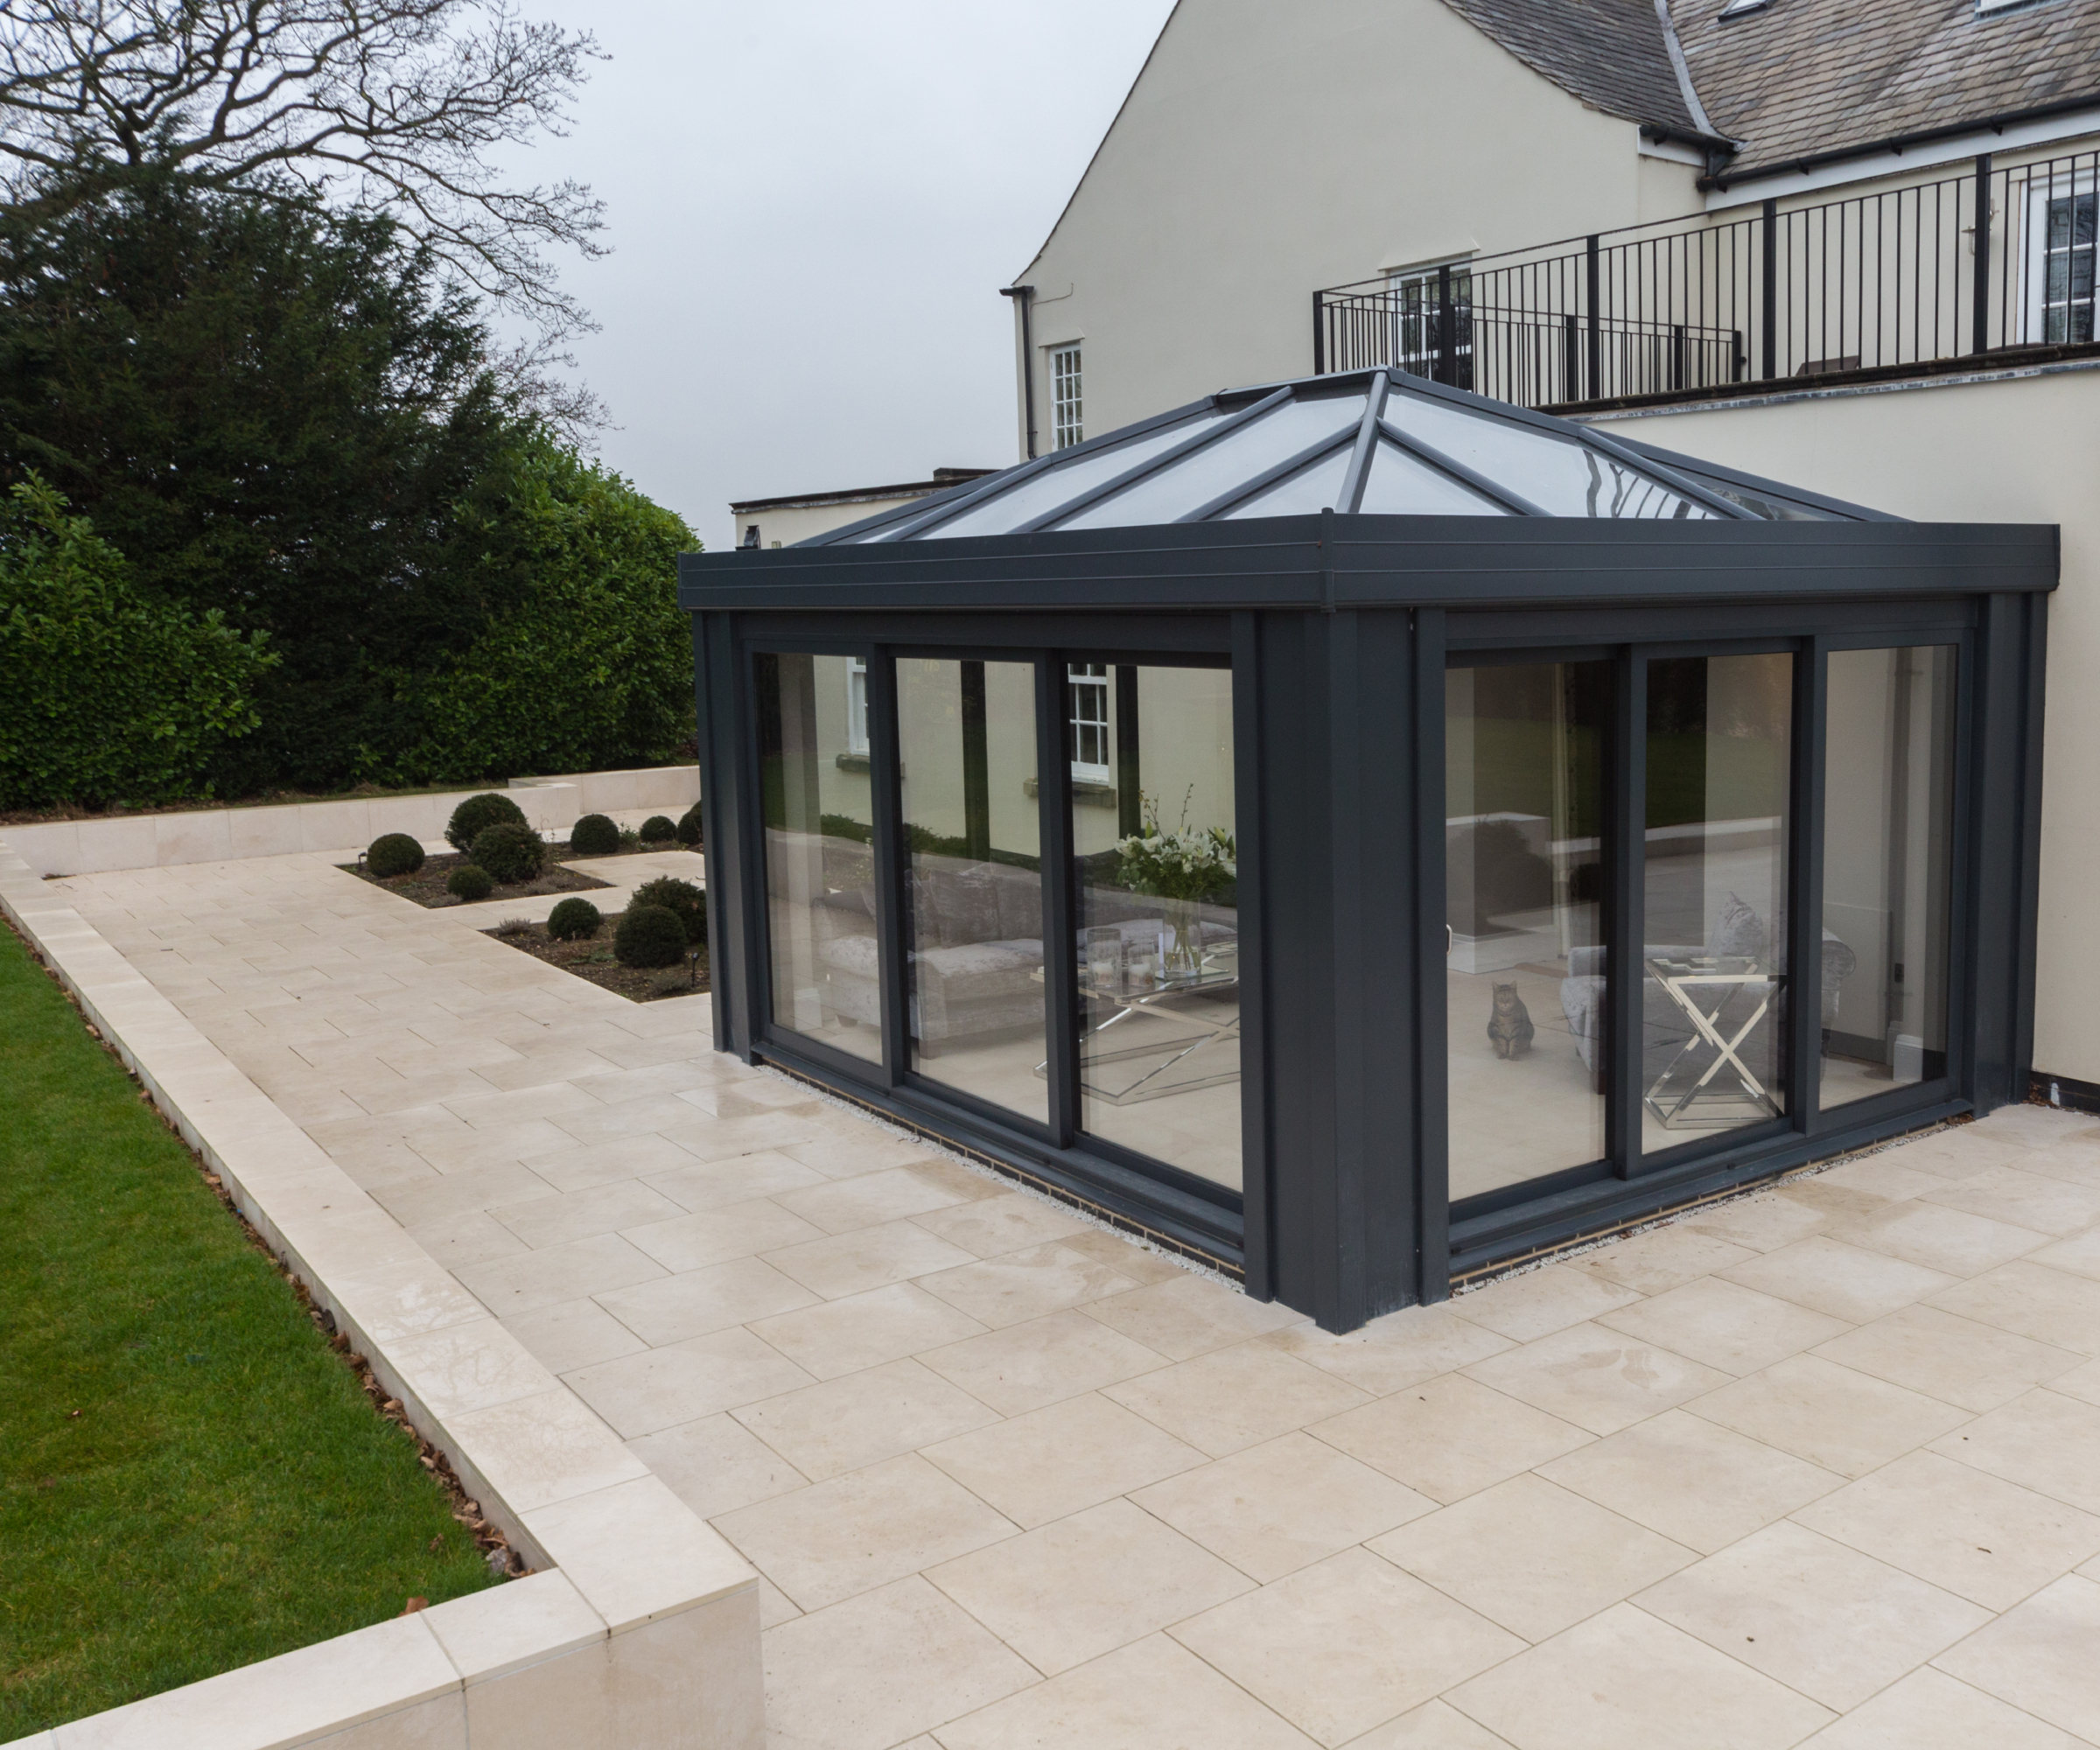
[(1189, 998), (1703, 988)]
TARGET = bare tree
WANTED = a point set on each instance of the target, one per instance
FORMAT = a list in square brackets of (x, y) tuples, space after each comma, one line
[(385, 105)]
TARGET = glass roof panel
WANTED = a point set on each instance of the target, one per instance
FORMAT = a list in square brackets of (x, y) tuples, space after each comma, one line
[(1562, 477), (1194, 482), (1402, 486), (1018, 504), (1312, 489)]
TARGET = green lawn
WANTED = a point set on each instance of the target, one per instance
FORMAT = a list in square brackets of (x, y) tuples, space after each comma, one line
[(190, 1479)]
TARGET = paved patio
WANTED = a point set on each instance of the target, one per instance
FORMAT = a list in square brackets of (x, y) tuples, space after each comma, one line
[(1820, 1466)]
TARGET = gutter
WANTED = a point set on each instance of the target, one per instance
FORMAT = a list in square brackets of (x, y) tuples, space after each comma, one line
[(1894, 144), (1024, 296)]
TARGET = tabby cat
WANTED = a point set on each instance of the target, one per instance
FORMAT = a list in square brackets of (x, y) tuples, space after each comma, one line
[(1509, 1023)]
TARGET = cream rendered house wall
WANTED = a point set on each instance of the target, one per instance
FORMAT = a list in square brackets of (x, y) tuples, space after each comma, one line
[(2006, 449), (1266, 152)]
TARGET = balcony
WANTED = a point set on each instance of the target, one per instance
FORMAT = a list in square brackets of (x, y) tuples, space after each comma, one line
[(1992, 267)]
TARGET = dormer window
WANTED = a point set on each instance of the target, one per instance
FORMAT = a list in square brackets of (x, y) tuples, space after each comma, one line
[(1742, 9)]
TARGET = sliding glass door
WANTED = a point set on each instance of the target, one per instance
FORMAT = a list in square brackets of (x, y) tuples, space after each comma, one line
[(1626, 851), (1010, 879)]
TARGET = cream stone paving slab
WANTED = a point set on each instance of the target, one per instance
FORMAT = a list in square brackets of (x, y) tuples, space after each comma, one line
[(1524, 1308), (2079, 1254), (572, 1333), (1848, 1282), (861, 1417), (2082, 1382), (579, 1214), (1625, 1680), (715, 1464), (1125, 1255), (1697, 1483), (853, 1533), (1011, 1222), (1598, 1379), (1930, 1710), (671, 1308), (1888, 1175), (1450, 1436), (833, 1155), (1190, 1316), (737, 1230), (843, 1206), (2032, 1300), (1393, 1352), (707, 1137), (1346, 1644), (1949, 1239), (1025, 1366), (1822, 1618), (1968, 1364), (472, 1236), (1977, 1535), (2039, 1657), (1835, 1416), (1431, 1726), (1024, 1284), (1082, 1587), (876, 1670), (1152, 1694), (702, 1186), (1236, 1398), (835, 1337), (1663, 1258), (2042, 1441), (1735, 1329), (657, 1388), (1274, 1509), (2047, 1203), (2078, 1162), (840, 1264), (1055, 1460), (1762, 1223), (1531, 1556), (570, 1168)]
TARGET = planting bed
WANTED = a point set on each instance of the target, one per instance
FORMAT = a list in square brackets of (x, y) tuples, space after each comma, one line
[(593, 960), (426, 885)]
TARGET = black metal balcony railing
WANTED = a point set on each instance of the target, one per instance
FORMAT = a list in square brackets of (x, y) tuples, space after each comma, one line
[(1978, 264)]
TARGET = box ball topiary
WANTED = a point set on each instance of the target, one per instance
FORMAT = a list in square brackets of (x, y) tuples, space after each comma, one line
[(594, 836), (392, 854), (689, 827), (658, 828), (476, 815), (574, 921), (510, 853), (648, 936), (683, 900), (469, 884)]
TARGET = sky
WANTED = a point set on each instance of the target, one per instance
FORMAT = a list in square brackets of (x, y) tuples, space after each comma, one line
[(812, 205)]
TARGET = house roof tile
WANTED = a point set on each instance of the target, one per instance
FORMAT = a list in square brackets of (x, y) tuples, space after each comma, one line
[(1610, 53)]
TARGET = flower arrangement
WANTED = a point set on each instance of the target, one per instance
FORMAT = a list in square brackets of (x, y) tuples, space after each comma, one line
[(1182, 866)]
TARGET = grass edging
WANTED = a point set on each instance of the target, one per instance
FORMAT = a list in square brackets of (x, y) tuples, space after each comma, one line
[(188, 1482)]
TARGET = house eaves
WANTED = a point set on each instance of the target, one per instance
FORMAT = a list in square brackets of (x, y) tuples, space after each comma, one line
[(1614, 55)]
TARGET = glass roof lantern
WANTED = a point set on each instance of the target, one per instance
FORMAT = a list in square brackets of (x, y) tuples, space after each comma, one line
[(1381, 443)]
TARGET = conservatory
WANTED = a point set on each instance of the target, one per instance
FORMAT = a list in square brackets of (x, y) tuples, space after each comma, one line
[(1362, 833)]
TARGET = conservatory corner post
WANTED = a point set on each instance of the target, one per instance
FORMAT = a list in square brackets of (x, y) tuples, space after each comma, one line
[(726, 811)]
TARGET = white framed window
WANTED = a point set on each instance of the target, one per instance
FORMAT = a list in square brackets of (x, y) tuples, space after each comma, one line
[(1088, 683), (1068, 423), (856, 704), (1414, 312), (2063, 231)]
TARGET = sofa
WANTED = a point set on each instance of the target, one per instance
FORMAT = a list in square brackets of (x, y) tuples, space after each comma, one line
[(976, 937)]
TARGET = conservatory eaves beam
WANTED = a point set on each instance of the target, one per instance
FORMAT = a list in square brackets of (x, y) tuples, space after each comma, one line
[(1461, 473), (1151, 465)]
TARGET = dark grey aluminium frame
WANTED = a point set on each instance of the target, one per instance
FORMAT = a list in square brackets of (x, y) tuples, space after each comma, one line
[(1338, 630)]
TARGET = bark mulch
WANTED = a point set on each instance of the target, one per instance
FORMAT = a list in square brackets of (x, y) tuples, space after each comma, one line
[(592, 959), (426, 885)]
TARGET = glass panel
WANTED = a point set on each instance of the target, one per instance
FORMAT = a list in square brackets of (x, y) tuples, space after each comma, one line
[(1158, 950), (1713, 965), (820, 864), (974, 901), (1310, 489), (1888, 861), (1057, 484), (1192, 482), (1561, 477), (1525, 968), (1400, 485)]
